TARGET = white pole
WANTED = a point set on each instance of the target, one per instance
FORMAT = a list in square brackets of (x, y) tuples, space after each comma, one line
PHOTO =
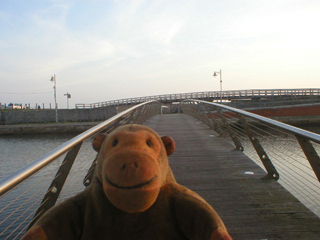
[(220, 87), (53, 79), (55, 97), (67, 99)]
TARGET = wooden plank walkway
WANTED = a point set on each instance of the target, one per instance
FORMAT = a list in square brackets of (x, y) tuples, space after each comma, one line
[(250, 207)]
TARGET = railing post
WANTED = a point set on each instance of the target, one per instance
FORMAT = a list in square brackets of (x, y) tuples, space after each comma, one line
[(271, 170), (88, 178), (55, 188), (136, 115), (141, 114), (190, 109), (148, 111), (235, 140), (311, 154), (131, 117), (212, 122), (201, 112)]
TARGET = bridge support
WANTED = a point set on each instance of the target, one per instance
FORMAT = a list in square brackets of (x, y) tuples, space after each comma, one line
[(271, 170), (55, 188), (235, 140), (311, 154)]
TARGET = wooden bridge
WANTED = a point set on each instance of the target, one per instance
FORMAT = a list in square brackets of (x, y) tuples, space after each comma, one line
[(213, 159), (250, 207), (282, 96)]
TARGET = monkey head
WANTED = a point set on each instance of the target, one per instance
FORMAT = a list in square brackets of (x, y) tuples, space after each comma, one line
[(132, 166)]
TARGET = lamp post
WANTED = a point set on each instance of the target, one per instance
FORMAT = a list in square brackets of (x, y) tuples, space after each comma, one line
[(215, 74), (68, 96), (53, 80)]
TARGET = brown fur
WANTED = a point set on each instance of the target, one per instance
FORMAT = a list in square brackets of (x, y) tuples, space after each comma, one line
[(134, 195)]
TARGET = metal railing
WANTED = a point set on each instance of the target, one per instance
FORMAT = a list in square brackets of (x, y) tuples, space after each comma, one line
[(211, 95), (288, 154), (20, 191)]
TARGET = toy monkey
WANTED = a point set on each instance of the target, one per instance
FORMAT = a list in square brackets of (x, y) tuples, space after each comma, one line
[(133, 195)]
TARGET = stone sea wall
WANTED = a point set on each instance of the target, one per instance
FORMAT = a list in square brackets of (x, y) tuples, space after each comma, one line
[(37, 116)]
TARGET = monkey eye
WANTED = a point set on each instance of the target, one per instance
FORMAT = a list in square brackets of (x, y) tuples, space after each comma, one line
[(149, 143), (115, 143)]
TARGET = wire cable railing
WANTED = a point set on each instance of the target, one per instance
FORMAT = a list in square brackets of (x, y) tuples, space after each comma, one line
[(288, 154), (50, 175)]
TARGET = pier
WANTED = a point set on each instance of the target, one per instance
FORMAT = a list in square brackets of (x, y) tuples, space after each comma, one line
[(231, 182), (293, 106)]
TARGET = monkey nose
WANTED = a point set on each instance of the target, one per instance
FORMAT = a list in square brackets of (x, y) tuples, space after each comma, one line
[(132, 165)]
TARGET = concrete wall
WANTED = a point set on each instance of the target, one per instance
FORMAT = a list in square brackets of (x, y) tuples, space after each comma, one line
[(294, 115), (29, 116)]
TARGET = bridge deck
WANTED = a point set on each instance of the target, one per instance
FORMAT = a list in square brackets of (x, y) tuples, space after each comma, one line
[(250, 207)]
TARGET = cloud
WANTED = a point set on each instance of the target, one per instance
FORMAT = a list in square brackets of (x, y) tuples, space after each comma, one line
[(48, 44), (97, 47), (148, 26), (163, 29)]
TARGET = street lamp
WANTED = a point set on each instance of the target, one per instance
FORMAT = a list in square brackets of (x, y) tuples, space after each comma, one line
[(68, 96), (215, 74), (53, 80)]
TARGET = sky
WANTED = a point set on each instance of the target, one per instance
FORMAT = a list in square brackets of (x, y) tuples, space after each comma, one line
[(114, 49)]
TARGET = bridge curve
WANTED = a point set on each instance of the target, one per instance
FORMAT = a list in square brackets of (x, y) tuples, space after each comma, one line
[(299, 95)]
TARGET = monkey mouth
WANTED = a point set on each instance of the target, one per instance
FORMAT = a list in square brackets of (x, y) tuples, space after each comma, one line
[(130, 187)]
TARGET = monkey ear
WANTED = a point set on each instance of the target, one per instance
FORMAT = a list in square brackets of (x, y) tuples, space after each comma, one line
[(98, 140), (169, 144)]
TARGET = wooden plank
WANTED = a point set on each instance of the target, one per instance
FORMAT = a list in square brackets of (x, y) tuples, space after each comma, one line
[(250, 207)]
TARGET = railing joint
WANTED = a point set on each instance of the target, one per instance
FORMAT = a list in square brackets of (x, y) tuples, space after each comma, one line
[(274, 176)]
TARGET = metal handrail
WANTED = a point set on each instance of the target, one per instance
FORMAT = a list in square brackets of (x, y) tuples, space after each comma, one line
[(289, 128), (288, 154), (14, 179), (302, 136)]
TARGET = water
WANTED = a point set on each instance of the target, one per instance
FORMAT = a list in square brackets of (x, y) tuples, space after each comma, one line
[(17, 151)]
